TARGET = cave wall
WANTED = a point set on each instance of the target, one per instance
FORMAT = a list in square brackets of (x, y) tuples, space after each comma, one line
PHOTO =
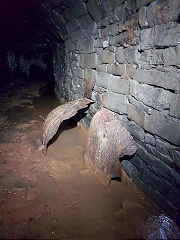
[(132, 49)]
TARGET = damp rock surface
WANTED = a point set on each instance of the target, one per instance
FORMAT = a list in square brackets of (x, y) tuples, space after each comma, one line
[(58, 115), (57, 197), (107, 141)]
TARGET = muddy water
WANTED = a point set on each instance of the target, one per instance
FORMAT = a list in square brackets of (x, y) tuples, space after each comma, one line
[(55, 196)]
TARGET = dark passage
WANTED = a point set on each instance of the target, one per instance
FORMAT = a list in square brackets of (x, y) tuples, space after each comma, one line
[(56, 196)]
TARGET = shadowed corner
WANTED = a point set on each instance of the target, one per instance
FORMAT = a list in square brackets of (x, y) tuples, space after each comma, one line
[(179, 18)]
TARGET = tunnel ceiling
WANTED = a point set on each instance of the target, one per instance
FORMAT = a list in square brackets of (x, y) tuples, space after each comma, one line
[(66, 16), (24, 23), (20, 23)]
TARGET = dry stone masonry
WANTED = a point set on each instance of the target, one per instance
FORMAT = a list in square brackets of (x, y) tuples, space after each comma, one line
[(132, 49)]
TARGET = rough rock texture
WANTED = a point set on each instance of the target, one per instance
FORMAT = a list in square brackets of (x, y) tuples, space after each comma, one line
[(107, 141), (89, 87), (131, 49), (57, 116)]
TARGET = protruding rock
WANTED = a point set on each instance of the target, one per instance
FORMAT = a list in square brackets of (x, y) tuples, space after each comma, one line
[(107, 141), (89, 87), (58, 115)]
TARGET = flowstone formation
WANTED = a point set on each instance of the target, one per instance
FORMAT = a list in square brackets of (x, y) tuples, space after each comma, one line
[(57, 116), (107, 141)]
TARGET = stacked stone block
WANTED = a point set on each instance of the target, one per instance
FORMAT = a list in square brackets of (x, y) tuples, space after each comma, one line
[(132, 48)]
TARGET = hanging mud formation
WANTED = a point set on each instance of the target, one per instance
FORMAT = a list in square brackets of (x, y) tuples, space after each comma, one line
[(57, 116), (64, 112), (107, 139)]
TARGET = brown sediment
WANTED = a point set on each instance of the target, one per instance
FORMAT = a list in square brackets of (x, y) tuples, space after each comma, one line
[(56, 197)]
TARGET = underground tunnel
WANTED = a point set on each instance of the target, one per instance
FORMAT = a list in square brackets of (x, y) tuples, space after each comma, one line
[(117, 63)]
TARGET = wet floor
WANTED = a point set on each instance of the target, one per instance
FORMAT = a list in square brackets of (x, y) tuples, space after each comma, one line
[(55, 196)]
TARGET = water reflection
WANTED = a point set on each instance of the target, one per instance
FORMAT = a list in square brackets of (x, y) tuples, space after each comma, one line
[(161, 227)]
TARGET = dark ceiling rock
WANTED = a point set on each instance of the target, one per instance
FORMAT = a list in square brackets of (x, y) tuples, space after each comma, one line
[(19, 21), (96, 10)]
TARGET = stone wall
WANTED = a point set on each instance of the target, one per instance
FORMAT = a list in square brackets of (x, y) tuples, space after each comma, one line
[(132, 48)]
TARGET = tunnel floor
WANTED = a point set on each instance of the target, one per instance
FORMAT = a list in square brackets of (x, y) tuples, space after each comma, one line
[(55, 196)]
